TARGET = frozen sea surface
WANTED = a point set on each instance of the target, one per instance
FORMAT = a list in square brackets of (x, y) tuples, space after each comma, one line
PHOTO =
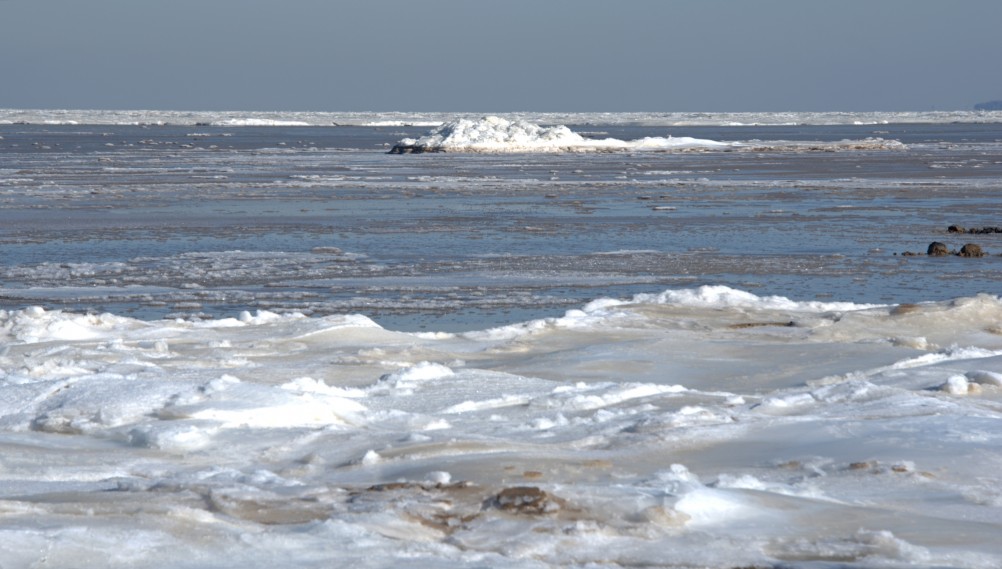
[(426, 119), (696, 358), (210, 221)]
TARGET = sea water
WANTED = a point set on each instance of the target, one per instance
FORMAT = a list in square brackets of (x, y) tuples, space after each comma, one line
[(208, 221), (229, 345)]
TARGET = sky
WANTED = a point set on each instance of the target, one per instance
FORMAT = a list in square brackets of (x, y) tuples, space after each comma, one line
[(511, 55)]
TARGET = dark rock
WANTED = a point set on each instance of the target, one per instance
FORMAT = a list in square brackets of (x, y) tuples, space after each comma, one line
[(985, 230), (743, 325), (971, 250), (525, 500), (937, 249), (407, 149), (904, 308), (390, 486)]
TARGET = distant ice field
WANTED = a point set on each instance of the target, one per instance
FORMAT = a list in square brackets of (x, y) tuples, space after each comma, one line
[(428, 119)]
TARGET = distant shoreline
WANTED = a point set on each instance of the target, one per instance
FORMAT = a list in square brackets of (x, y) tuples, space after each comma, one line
[(433, 119)]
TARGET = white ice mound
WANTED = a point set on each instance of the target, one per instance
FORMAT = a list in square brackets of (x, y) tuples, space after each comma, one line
[(724, 297), (497, 134), (719, 296), (35, 324), (258, 122)]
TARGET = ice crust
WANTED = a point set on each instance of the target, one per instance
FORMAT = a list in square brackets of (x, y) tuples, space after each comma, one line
[(391, 119), (259, 122), (493, 134), (694, 427)]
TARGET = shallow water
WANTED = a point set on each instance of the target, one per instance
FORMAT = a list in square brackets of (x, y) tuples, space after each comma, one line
[(203, 221)]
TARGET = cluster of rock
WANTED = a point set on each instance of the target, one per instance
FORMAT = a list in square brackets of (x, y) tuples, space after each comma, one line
[(974, 230), (938, 249)]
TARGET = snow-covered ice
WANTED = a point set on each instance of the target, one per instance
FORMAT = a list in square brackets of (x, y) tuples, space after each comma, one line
[(498, 134), (494, 134), (685, 428), (401, 118)]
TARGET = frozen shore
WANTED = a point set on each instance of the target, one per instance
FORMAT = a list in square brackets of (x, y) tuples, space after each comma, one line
[(696, 427), (431, 119)]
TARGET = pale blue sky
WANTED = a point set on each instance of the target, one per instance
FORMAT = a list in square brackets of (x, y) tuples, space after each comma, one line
[(474, 55)]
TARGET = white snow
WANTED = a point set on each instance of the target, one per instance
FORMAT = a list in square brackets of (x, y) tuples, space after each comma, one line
[(401, 119), (498, 134), (259, 122), (655, 431), (495, 134)]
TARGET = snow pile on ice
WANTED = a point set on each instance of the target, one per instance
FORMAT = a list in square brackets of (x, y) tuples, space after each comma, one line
[(497, 134)]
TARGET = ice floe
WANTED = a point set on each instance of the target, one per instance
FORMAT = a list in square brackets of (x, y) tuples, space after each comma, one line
[(401, 119), (494, 134), (497, 134)]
